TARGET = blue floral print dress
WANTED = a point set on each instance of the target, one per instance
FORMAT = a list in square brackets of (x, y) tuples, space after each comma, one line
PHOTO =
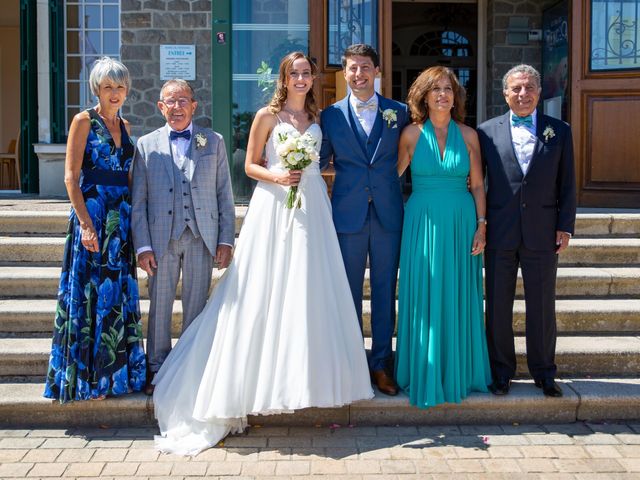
[(97, 336)]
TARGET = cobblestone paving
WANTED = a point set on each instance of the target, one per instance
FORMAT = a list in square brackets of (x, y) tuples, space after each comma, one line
[(578, 451)]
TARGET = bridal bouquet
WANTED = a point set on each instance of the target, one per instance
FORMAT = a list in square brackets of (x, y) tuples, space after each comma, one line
[(296, 151)]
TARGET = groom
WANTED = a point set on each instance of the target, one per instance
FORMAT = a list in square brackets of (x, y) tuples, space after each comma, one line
[(361, 132), (183, 217)]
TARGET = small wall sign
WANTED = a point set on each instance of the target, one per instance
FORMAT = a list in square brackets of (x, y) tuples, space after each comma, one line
[(177, 61)]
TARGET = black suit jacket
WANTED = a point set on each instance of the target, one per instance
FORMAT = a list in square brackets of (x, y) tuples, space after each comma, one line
[(528, 208)]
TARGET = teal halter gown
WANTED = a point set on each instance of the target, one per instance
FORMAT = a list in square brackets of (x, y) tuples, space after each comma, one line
[(441, 352)]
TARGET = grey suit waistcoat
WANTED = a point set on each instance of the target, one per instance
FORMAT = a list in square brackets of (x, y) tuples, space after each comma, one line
[(184, 212)]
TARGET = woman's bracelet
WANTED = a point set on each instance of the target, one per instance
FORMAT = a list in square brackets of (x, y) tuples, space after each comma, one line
[(482, 220)]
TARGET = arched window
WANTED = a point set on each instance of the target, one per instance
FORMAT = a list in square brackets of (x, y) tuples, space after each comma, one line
[(444, 43)]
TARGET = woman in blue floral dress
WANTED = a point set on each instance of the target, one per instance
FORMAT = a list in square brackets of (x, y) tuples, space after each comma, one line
[(97, 336)]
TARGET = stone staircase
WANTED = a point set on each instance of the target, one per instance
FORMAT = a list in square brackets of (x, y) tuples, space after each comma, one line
[(598, 350)]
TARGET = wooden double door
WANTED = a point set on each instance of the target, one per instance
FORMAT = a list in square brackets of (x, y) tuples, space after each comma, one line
[(605, 102)]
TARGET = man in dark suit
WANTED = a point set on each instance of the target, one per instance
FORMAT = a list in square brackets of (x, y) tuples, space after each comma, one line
[(531, 209)]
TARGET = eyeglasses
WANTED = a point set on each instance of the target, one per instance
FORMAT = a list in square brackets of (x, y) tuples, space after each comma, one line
[(171, 102), (445, 90)]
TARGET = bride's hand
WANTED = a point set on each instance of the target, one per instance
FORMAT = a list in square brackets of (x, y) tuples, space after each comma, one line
[(289, 178)]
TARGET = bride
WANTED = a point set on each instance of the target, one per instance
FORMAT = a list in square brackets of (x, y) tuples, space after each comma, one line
[(280, 331)]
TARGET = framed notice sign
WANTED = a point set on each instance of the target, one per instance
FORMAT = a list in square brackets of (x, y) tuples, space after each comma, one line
[(177, 61)]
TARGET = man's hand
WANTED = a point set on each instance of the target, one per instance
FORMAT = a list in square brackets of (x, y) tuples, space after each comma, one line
[(147, 262), (562, 240), (223, 256)]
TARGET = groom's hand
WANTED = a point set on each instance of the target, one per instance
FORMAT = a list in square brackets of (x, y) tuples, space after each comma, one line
[(147, 262), (223, 256)]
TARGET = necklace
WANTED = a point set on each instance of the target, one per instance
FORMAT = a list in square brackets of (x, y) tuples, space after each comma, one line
[(293, 112)]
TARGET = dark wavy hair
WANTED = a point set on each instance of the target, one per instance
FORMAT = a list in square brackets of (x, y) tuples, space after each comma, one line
[(280, 94), (426, 81), (361, 50)]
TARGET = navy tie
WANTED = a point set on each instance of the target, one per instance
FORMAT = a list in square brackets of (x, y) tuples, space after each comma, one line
[(186, 134)]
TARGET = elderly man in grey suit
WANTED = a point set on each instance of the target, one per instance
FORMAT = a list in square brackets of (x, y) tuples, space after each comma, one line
[(183, 217)]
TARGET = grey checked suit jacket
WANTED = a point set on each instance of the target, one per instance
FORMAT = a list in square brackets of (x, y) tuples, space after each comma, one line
[(153, 191)]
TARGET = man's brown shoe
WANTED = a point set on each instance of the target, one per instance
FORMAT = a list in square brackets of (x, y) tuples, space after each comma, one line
[(384, 382)]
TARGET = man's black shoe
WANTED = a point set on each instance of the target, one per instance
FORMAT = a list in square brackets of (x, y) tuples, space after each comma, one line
[(549, 387), (500, 386)]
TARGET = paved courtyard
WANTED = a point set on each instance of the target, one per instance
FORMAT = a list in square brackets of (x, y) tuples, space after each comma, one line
[(573, 451)]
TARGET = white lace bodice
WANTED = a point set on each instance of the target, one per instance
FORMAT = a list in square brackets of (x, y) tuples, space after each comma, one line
[(273, 160)]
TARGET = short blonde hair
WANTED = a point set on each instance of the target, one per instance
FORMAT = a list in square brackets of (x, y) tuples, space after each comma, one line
[(108, 68)]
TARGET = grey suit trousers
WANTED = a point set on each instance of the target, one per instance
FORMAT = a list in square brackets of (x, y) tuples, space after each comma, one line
[(191, 256)]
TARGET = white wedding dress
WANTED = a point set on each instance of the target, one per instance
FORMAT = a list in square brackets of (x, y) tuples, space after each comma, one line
[(279, 332)]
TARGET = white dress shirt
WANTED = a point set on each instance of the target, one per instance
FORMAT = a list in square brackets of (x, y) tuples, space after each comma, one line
[(179, 149), (366, 117), (524, 142)]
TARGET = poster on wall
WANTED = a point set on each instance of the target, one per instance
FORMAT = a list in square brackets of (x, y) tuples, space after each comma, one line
[(177, 61), (555, 60)]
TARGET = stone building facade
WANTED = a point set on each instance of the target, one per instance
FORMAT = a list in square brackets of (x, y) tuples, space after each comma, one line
[(597, 68), (146, 24), (501, 56)]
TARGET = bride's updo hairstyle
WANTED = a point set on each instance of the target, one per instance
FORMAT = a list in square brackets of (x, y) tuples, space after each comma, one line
[(426, 81), (280, 95)]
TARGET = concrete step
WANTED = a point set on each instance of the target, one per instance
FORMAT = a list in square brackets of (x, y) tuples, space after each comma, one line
[(595, 400), (593, 252), (34, 317), (587, 252), (575, 356), (583, 356), (34, 220), (607, 224), (25, 280), (572, 282)]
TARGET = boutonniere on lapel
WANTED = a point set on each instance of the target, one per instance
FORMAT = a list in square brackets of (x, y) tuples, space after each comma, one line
[(201, 141), (390, 116), (548, 133)]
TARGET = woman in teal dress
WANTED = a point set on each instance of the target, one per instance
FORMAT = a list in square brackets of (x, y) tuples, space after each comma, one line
[(441, 352), (97, 336)]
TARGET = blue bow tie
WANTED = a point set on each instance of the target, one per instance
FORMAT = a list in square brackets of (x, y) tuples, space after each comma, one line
[(186, 134), (522, 121)]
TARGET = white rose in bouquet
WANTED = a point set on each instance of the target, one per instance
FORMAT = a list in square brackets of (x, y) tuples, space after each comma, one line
[(296, 152)]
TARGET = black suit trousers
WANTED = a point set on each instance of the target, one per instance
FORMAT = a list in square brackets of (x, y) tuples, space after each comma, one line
[(539, 270)]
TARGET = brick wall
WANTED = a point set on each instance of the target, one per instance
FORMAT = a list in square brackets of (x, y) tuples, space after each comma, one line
[(146, 24), (502, 56)]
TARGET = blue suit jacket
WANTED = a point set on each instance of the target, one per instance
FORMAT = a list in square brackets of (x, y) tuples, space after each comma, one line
[(359, 176), (528, 208)]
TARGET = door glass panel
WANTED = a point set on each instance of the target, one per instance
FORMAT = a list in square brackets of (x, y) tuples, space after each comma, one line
[(350, 21), (615, 34), (263, 33)]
